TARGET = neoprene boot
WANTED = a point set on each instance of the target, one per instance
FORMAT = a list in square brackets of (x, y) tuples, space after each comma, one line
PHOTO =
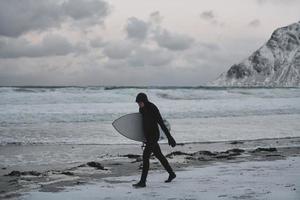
[(172, 175), (139, 185)]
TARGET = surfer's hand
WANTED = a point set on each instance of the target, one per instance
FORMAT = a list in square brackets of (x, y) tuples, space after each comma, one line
[(171, 141)]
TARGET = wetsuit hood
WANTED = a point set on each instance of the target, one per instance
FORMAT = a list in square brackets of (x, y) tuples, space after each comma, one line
[(141, 97)]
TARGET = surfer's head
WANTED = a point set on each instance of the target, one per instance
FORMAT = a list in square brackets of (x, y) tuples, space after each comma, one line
[(141, 97)]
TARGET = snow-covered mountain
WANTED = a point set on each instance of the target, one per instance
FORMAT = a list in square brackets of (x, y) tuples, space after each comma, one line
[(275, 64)]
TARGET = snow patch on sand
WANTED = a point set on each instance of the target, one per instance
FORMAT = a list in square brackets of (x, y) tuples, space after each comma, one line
[(247, 180)]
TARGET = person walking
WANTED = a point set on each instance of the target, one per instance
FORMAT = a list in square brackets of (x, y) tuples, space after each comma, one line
[(151, 118)]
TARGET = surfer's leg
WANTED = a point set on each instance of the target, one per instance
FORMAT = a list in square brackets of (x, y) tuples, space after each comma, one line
[(146, 156), (158, 154)]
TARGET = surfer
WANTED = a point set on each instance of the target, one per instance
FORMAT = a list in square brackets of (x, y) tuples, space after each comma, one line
[(151, 119)]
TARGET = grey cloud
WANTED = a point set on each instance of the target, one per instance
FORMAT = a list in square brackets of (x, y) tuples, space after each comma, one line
[(97, 42), (18, 17), (209, 46), (143, 66), (118, 49), (79, 9), (211, 18), (207, 15), (139, 29), (135, 55), (155, 17), (172, 41), (136, 28), (202, 51), (136, 52), (149, 57), (254, 23), (51, 45)]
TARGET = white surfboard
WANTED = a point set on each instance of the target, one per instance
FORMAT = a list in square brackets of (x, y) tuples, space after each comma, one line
[(130, 126)]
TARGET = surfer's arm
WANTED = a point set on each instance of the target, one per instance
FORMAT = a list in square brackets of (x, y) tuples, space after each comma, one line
[(160, 121)]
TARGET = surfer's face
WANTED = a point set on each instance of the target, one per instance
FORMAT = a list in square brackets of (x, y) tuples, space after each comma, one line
[(141, 104)]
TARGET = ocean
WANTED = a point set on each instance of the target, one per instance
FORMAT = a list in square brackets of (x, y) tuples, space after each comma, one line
[(83, 115)]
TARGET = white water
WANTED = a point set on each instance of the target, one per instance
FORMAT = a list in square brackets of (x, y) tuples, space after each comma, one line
[(83, 115)]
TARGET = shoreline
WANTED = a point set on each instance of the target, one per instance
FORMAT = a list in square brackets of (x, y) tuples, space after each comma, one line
[(55, 177), (72, 154), (136, 143)]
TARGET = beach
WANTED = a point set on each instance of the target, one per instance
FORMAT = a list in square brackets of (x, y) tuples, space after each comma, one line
[(203, 165), (59, 143), (93, 91), (251, 180)]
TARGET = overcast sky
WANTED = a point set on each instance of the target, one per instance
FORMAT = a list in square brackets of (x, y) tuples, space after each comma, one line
[(132, 42)]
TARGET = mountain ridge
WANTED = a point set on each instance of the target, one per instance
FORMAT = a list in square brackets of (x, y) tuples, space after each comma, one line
[(275, 64)]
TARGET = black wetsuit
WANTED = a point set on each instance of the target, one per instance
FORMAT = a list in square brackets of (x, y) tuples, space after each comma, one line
[(151, 119)]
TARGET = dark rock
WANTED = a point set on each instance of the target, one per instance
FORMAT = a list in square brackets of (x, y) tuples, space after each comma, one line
[(222, 156), (260, 63), (116, 164), (274, 155), (96, 165), (201, 158), (229, 154), (14, 173), (32, 173), (238, 71), (236, 142), (237, 151), (4, 168), (190, 158), (177, 153), (206, 153), (68, 173), (18, 173), (264, 149)]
